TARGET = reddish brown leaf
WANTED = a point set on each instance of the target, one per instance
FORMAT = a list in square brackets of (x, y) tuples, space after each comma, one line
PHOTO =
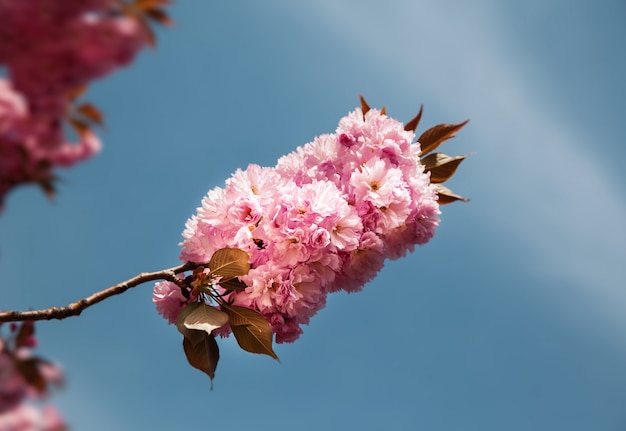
[(364, 106), (47, 185), (441, 166), (79, 126), (27, 330), (446, 195), (201, 317), (77, 92), (91, 112), (411, 126), (29, 369), (202, 352), (148, 10), (251, 330), (233, 284), (253, 341), (151, 4), (383, 111), (435, 136), (150, 36), (159, 16), (229, 262)]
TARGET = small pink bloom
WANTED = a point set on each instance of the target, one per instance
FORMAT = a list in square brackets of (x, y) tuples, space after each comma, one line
[(169, 300), (69, 154), (52, 420), (13, 108)]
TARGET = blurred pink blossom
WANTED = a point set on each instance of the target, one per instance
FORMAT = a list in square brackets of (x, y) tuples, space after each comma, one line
[(29, 418), (51, 50), (24, 382)]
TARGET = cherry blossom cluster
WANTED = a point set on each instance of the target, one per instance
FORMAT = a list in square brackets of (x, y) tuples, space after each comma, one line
[(24, 381), (51, 49), (324, 219)]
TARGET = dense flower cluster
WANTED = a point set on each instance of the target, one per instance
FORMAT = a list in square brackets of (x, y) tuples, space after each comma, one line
[(24, 379), (51, 48), (323, 219)]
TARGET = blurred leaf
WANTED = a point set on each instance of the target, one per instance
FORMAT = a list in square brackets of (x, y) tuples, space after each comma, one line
[(383, 111), (202, 352), (364, 106), (251, 330), (201, 317), (159, 16), (27, 330), (229, 262), (411, 126), (47, 185), (79, 126), (145, 11), (435, 136), (446, 195), (77, 92), (147, 29), (91, 112), (233, 284), (441, 166), (29, 369), (151, 4)]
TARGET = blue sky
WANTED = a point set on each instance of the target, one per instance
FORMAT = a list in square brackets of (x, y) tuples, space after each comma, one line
[(511, 318)]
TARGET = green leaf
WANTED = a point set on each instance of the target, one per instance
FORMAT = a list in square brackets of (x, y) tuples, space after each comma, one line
[(441, 166), (201, 317), (229, 262), (202, 352), (435, 136), (251, 330)]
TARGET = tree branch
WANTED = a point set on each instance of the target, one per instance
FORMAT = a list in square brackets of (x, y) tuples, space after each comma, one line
[(77, 307)]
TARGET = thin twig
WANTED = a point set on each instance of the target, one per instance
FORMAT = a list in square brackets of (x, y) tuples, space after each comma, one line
[(77, 307)]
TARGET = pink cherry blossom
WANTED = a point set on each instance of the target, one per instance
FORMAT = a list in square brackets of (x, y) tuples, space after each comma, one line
[(324, 219), (169, 300)]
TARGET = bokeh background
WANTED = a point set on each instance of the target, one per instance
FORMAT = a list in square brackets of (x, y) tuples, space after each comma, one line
[(512, 318)]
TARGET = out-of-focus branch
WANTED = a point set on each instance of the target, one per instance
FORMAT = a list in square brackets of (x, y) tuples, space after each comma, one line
[(77, 307)]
